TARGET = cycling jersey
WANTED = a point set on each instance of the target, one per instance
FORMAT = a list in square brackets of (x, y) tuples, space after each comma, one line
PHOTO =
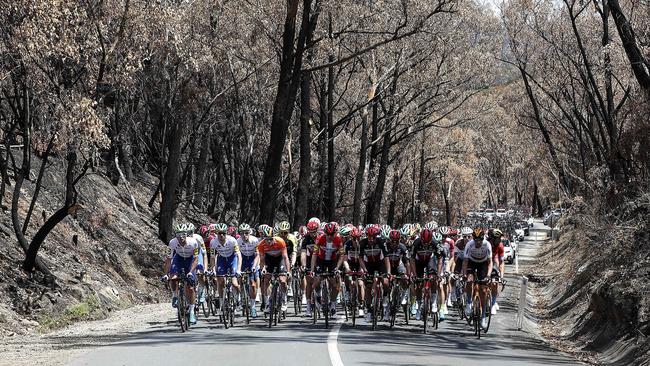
[(498, 253), (272, 248), (308, 244), (227, 249), (354, 255), (248, 251), (449, 246), (373, 253), (292, 244), (191, 248), (397, 255), (423, 253), (329, 248), (481, 254), (459, 248), (202, 251)]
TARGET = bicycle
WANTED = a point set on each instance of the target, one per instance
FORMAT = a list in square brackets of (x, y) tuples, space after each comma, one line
[(477, 305), (182, 307), (296, 286), (395, 299), (206, 306), (245, 295), (459, 290), (353, 295), (275, 313), (488, 300), (324, 297), (429, 299), (377, 294), (228, 301)]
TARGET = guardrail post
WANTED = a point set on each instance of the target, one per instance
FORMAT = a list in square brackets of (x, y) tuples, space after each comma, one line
[(522, 302)]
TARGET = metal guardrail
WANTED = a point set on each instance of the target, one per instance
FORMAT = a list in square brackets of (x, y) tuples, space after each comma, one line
[(522, 302)]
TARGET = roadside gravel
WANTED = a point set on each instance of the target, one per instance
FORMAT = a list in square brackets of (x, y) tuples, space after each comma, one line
[(61, 346)]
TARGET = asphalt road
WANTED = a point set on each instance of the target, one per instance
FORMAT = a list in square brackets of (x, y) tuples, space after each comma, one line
[(297, 342)]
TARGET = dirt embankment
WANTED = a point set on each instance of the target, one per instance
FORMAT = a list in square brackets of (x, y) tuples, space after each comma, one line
[(105, 258), (595, 285)]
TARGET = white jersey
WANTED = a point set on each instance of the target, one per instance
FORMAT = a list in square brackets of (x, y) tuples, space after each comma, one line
[(248, 248), (227, 249), (199, 239), (191, 248), (481, 254)]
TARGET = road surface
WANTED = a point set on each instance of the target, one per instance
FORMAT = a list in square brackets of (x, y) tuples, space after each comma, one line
[(298, 342)]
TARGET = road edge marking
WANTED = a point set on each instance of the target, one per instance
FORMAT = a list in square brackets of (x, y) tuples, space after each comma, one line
[(332, 344)]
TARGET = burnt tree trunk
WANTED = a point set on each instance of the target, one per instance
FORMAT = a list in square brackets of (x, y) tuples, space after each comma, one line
[(170, 183), (304, 176)]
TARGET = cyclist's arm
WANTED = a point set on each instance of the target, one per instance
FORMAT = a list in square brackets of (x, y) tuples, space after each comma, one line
[(387, 264), (313, 260), (195, 261), (464, 270), (293, 258), (287, 264), (303, 258), (239, 260), (168, 262), (440, 267)]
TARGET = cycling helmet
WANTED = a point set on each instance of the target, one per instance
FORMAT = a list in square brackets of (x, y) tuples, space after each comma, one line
[(355, 233), (315, 219), (183, 228), (444, 230), (406, 230), (244, 228), (221, 228), (417, 227), (431, 225), (312, 226), (284, 226), (437, 237), (322, 226), (478, 233), (466, 231), (372, 231), (346, 230), (204, 229), (212, 227), (495, 233), (394, 235), (302, 231), (426, 235), (329, 229), (232, 230), (266, 231), (385, 231)]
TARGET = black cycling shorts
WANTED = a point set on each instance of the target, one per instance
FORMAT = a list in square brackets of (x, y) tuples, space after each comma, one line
[(479, 268)]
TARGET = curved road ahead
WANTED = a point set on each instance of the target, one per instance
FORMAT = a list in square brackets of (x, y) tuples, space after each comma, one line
[(298, 342)]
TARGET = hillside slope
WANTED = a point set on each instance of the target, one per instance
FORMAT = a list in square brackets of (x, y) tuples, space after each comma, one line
[(114, 264)]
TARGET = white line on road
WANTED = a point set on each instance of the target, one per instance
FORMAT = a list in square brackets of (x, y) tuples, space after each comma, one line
[(332, 347)]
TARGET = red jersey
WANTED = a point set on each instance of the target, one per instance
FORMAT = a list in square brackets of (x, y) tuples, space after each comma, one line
[(498, 252), (329, 250)]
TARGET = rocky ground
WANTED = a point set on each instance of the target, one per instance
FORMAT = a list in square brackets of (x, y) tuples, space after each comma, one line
[(60, 346), (594, 289)]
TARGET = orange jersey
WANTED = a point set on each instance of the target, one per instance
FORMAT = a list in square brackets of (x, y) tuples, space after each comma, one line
[(274, 248)]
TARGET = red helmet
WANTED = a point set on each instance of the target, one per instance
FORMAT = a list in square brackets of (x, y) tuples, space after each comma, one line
[(330, 229), (232, 230), (355, 233), (372, 231), (204, 229), (426, 235), (394, 235), (312, 226), (302, 230)]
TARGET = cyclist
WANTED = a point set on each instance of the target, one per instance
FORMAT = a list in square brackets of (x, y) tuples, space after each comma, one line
[(399, 263), (448, 247), (498, 256), (375, 260), (225, 250), (329, 254), (250, 261), (306, 250), (184, 255), (459, 256), (292, 242), (203, 263), (273, 259), (426, 254), (352, 263), (477, 265)]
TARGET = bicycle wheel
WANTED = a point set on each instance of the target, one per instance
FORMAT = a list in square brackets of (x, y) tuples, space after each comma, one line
[(231, 308), (477, 318), (272, 305), (325, 297), (182, 318), (393, 305), (424, 312), (488, 310), (246, 307), (297, 296), (376, 306), (314, 308)]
